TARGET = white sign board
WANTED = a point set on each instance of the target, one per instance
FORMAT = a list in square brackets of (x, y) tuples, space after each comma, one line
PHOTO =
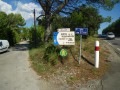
[(64, 38), (63, 30)]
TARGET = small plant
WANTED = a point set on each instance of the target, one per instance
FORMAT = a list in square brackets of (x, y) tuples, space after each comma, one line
[(51, 55)]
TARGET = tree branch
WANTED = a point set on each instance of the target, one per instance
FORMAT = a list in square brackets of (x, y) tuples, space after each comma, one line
[(42, 4), (61, 6)]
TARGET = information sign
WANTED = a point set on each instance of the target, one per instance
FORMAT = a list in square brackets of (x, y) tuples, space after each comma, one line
[(63, 30), (81, 31), (64, 38)]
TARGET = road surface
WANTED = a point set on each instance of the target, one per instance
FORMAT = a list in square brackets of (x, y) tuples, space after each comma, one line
[(115, 44), (111, 80)]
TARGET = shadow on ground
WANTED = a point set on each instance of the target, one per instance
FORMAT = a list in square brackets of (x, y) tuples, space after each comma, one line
[(21, 47), (86, 60)]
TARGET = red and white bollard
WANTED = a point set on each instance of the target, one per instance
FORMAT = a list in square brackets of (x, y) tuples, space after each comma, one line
[(97, 54)]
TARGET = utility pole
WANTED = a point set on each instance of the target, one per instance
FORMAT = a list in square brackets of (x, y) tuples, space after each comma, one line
[(35, 41)]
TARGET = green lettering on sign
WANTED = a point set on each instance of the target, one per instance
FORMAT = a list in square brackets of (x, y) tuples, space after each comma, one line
[(63, 53)]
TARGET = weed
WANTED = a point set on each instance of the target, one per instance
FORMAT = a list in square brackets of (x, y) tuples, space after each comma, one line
[(40, 67)]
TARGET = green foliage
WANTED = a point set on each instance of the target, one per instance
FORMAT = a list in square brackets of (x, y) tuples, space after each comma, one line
[(88, 45), (76, 19), (38, 35), (59, 22), (51, 55), (85, 16), (3, 24), (36, 56), (17, 37), (89, 15), (15, 20), (43, 58), (10, 27), (24, 33), (46, 62), (91, 19), (114, 27), (107, 19), (105, 4)]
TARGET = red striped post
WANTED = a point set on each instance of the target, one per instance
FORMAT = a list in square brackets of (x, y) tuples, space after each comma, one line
[(97, 54)]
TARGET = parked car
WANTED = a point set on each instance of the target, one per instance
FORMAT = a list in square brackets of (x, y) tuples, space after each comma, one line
[(110, 35), (4, 45)]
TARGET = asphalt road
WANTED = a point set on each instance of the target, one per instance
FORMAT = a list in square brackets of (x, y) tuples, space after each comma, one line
[(111, 80), (115, 44)]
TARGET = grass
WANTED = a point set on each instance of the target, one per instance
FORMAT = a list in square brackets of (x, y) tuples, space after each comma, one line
[(47, 62), (71, 80), (36, 56)]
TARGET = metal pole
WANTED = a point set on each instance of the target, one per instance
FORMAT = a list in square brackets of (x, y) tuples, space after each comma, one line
[(80, 48)]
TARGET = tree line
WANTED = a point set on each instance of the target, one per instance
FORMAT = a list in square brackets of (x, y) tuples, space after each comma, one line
[(85, 16), (114, 27), (11, 27), (51, 8), (56, 14)]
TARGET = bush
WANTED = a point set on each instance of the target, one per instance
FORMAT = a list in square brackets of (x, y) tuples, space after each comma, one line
[(39, 36), (51, 55)]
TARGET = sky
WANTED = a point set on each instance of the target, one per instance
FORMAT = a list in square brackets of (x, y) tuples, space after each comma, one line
[(26, 7), (114, 13)]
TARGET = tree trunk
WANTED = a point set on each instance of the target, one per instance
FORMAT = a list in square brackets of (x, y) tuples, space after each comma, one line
[(48, 27)]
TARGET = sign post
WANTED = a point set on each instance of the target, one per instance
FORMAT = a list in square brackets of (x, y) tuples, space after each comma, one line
[(80, 48), (81, 31)]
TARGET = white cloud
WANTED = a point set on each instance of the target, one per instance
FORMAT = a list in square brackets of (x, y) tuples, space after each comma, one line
[(5, 7), (26, 10)]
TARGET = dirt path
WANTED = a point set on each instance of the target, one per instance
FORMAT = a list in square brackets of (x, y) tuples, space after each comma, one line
[(15, 71)]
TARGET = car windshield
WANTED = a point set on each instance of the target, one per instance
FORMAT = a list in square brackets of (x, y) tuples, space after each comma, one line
[(110, 33)]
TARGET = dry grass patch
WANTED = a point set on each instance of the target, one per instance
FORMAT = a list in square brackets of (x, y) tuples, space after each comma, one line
[(67, 70)]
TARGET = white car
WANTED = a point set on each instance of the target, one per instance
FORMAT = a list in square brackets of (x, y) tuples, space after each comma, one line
[(4, 45), (110, 35)]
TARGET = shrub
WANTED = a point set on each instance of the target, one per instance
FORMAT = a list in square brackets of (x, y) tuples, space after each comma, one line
[(51, 54)]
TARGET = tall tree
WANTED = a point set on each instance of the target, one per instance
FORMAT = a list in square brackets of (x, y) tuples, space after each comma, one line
[(3, 23), (53, 7), (14, 25), (11, 26), (114, 27), (85, 16)]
